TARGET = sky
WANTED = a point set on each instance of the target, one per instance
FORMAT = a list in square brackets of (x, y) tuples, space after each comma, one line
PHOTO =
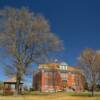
[(75, 22)]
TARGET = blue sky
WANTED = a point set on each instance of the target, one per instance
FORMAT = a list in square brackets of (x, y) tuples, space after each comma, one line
[(76, 22)]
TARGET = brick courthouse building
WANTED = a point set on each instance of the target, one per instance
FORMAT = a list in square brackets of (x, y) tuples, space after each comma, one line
[(57, 77)]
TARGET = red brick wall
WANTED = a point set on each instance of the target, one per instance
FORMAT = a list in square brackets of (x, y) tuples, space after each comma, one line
[(71, 82)]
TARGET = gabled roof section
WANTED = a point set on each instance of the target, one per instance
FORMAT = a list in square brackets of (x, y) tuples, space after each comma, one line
[(12, 80)]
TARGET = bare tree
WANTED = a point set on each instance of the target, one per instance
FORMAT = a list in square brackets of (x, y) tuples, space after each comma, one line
[(98, 65), (27, 37), (90, 63)]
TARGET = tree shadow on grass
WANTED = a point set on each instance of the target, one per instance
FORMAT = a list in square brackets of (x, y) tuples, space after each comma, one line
[(85, 94)]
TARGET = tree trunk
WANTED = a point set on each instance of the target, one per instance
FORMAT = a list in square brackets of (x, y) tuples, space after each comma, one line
[(93, 87), (18, 79)]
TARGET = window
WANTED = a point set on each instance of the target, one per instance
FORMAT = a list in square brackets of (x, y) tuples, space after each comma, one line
[(63, 76)]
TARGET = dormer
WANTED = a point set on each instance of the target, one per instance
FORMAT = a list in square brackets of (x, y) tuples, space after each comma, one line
[(63, 66)]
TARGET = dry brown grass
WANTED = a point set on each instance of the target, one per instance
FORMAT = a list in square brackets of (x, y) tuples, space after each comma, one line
[(57, 96)]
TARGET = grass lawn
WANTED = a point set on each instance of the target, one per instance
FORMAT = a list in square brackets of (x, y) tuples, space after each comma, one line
[(54, 96)]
